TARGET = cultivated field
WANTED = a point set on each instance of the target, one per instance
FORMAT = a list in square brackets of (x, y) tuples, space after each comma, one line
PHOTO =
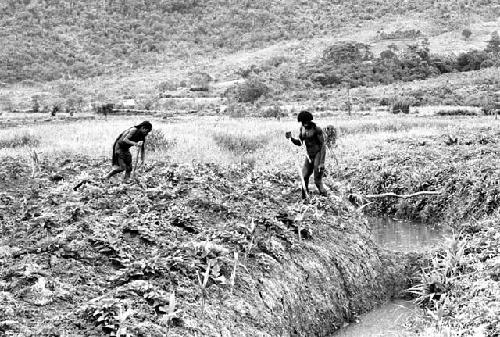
[(216, 211)]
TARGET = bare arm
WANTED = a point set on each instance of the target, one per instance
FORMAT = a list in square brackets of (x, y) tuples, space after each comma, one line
[(143, 153), (322, 143), (127, 140), (297, 141)]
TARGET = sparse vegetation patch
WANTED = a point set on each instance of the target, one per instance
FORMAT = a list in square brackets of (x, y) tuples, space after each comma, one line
[(240, 144), (19, 140)]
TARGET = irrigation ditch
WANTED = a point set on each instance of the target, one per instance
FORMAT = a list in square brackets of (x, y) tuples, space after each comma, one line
[(205, 250)]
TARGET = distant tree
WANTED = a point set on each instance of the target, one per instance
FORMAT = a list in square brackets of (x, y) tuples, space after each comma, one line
[(393, 47), (471, 60), (493, 44), (35, 103), (388, 54), (466, 33), (248, 91), (347, 52), (6, 104)]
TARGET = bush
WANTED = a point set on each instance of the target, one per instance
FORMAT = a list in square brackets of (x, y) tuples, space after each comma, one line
[(236, 110), (167, 85), (19, 141), (384, 101), (35, 103), (471, 60), (272, 112), (400, 34), (347, 52), (401, 106), (466, 33), (249, 91), (239, 144), (156, 141), (494, 43), (456, 112)]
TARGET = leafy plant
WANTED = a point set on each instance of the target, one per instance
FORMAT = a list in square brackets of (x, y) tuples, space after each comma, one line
[(109, 313), (203, 284), (157, 141)]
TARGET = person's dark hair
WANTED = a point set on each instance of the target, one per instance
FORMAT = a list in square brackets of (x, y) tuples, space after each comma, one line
[(304, 116), (145, 124)]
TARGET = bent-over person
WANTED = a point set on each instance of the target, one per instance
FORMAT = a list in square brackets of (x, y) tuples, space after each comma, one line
[(314, 139), (122, 158)]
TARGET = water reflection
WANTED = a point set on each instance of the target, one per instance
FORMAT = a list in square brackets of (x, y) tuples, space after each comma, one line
[(407, 236), (389, 320)]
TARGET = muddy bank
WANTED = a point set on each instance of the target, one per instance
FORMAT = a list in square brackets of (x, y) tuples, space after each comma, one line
[(183, 250)]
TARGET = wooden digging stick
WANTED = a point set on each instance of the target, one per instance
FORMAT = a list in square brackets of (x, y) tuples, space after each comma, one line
[(303, 183), (136, 160), (403, 196)]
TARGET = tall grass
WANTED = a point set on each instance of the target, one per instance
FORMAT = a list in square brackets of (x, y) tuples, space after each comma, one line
[(19, 140), (226, 140), (240, 144)]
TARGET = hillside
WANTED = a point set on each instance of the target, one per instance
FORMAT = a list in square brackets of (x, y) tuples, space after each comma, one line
[(45, 40)]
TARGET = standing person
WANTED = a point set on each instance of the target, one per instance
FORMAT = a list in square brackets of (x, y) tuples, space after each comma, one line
[(314, 139), (122, 158)]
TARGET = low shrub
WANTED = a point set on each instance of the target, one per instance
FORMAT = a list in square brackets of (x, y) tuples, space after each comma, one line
[(168, 85), (19, 141), (240, 144), (456, 112), (400, 105), (236, 110), (157, 141), (272, 112), (249, 91), (400, 34), (331, 135)]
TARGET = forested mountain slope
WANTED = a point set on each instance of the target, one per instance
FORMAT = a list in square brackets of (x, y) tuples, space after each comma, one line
[(50, 39)]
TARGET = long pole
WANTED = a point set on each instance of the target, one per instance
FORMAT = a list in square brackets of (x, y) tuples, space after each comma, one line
[(139, 149)]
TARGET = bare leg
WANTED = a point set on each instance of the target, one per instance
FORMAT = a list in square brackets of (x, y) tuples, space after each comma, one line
[(114, 172), (307, 170), (318, 177), (127, 175)]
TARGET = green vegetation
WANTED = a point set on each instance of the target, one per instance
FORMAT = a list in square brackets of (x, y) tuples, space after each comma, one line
[(240, 144), (213, 229), (418, 164), (45, 40), (249, 91), (158, 141), (183, 248), (169, 240), (19, 140), (353, 64)]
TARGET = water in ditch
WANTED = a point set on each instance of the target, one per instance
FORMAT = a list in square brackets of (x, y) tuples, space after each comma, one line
[(407, 236), (404, 236), (388, 320)]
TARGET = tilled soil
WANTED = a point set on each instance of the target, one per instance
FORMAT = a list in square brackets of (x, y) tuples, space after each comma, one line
[(181, 250)]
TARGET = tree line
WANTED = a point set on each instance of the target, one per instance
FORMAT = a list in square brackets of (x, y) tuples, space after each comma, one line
[(44, 40)]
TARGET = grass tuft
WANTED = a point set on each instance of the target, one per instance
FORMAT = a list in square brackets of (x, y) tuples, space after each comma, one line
[(19, 140), (240, 144)]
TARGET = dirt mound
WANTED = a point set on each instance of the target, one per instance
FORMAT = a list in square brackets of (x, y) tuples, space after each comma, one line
[(183, 249)]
